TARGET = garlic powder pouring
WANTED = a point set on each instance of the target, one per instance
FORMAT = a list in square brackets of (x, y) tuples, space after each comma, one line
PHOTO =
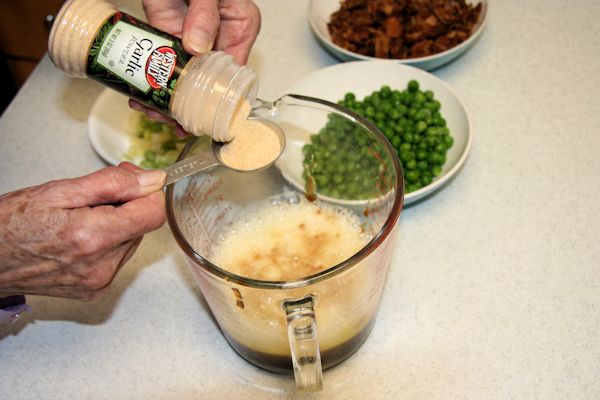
[(257, 144)]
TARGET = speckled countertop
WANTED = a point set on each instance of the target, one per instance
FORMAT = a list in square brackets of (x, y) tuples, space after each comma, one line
[(494, 291)]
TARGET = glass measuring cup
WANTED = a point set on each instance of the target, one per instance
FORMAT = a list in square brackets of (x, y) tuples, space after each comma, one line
[(302, 325)]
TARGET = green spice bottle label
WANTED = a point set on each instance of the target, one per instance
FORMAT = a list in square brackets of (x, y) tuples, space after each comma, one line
[(137, 60)]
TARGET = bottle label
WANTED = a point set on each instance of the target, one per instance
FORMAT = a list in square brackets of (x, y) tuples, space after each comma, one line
[(137, 60)]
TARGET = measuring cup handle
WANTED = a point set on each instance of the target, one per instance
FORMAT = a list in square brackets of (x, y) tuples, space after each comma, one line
[(304, 343)]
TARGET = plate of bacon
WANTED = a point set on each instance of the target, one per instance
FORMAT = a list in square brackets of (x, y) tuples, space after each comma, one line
[(425, 34)]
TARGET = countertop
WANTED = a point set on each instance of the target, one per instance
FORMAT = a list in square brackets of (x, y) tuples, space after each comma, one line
[(494, 288)]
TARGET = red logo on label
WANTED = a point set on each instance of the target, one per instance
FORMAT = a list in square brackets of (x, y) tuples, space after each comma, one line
[(160, 67)]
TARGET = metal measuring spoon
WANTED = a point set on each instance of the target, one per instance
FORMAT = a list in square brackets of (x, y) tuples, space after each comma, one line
[(212, 158)]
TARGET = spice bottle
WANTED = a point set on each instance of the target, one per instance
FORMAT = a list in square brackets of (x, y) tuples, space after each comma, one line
[(91, 38)]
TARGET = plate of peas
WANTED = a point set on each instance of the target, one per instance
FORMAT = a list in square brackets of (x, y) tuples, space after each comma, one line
[(421, 116)]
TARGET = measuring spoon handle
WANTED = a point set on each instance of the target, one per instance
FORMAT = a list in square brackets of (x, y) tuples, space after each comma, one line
[(190, 166)]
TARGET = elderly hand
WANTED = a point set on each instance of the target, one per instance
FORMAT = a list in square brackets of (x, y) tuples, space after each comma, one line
[(228, 25), (69, 238)]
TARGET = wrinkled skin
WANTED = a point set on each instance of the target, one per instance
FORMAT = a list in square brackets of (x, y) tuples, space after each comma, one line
[(228, 25), (69, 238)]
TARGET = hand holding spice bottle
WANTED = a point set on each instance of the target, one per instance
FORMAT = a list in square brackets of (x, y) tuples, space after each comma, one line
[(228, 25), (91, 38)]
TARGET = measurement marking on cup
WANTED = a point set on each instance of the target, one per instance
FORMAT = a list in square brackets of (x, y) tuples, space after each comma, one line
[(181, 169), (304, 332), (194, 221), (206, 208), (307, 360), (239, 301), (207, 194)]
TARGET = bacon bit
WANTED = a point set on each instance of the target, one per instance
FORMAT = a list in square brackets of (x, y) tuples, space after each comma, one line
[(382, 46), (400, 29), (393, 28)]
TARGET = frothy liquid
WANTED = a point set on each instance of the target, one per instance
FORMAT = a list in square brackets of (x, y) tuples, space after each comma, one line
[(290, 241), (278, 242)]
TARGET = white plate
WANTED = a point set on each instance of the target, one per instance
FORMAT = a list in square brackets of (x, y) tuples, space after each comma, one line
[(364, 77), (108, 126), (319, 13)]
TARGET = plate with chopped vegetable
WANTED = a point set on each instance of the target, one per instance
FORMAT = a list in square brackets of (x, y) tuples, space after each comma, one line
[(118, 133), (425, 34), (424, 120)]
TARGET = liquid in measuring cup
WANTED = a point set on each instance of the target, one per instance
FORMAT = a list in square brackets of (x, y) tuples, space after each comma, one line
[(289, 240), (283, 241), (283, 238)]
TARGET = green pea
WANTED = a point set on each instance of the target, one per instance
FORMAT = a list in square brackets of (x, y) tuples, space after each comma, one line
[(408, 137), (386, 107), (421, 155), (322, 180), (402, 109), (413, 85), (420, 98), (422, 165), (421, 126), (432, 131), (412, 176), (404, 147), (395, 114), (406, 156), (426, 180), (385, 91), (449, 140), (433, 158)]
